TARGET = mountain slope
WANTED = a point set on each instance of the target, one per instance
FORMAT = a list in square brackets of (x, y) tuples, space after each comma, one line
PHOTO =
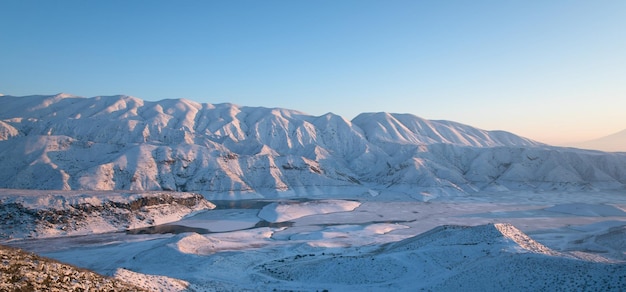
[(409, 129), (122, 142)]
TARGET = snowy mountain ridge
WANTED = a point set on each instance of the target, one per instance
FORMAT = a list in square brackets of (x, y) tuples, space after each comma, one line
[(125, 143)]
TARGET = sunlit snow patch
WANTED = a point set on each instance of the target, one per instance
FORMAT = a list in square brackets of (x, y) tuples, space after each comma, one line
[(208, 244), (523, 241), (286, 211)]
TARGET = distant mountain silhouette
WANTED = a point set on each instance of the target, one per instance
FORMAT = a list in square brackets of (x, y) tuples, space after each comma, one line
[(613, 143)]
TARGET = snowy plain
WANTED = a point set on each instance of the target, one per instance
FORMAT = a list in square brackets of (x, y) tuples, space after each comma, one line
[(517, 241)]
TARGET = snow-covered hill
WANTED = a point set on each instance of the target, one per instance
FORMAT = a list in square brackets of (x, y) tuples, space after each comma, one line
[(224, 150), (493, 257)]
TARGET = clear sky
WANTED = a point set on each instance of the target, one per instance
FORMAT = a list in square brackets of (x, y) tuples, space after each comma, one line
[(554, 71)]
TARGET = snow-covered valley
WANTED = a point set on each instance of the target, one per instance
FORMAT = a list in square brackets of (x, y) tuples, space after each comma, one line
[(176, 195), (489, 241)]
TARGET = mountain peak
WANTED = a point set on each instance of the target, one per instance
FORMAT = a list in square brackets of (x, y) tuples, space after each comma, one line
[(64, 95)]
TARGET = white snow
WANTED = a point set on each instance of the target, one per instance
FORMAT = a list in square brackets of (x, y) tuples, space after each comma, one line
[(287, 211), (342, 235), (235, 240)]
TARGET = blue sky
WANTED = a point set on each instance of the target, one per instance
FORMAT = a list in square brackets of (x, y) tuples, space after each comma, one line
[(554, 71)]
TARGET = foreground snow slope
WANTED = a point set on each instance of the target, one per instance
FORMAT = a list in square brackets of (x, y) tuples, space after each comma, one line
[(493, 257), (121, 142)]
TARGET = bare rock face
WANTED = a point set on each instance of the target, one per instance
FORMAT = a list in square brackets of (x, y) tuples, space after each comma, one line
[(30, 213), (23, 271)]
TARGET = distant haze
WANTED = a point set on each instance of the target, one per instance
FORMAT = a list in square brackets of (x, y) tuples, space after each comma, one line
[(614, 142)]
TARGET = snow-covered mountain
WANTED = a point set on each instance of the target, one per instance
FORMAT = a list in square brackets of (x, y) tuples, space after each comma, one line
[(122, 142), (614, 142)]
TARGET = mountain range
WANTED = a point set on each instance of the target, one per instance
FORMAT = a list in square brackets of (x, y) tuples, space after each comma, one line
[(66, 142)]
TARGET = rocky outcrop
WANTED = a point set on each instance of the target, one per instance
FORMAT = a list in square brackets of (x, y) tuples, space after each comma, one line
[(42, 214), (23, 271)]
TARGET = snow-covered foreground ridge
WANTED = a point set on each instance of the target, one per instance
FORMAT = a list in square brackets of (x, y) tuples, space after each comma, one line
[(492, 257), (125, 143)]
